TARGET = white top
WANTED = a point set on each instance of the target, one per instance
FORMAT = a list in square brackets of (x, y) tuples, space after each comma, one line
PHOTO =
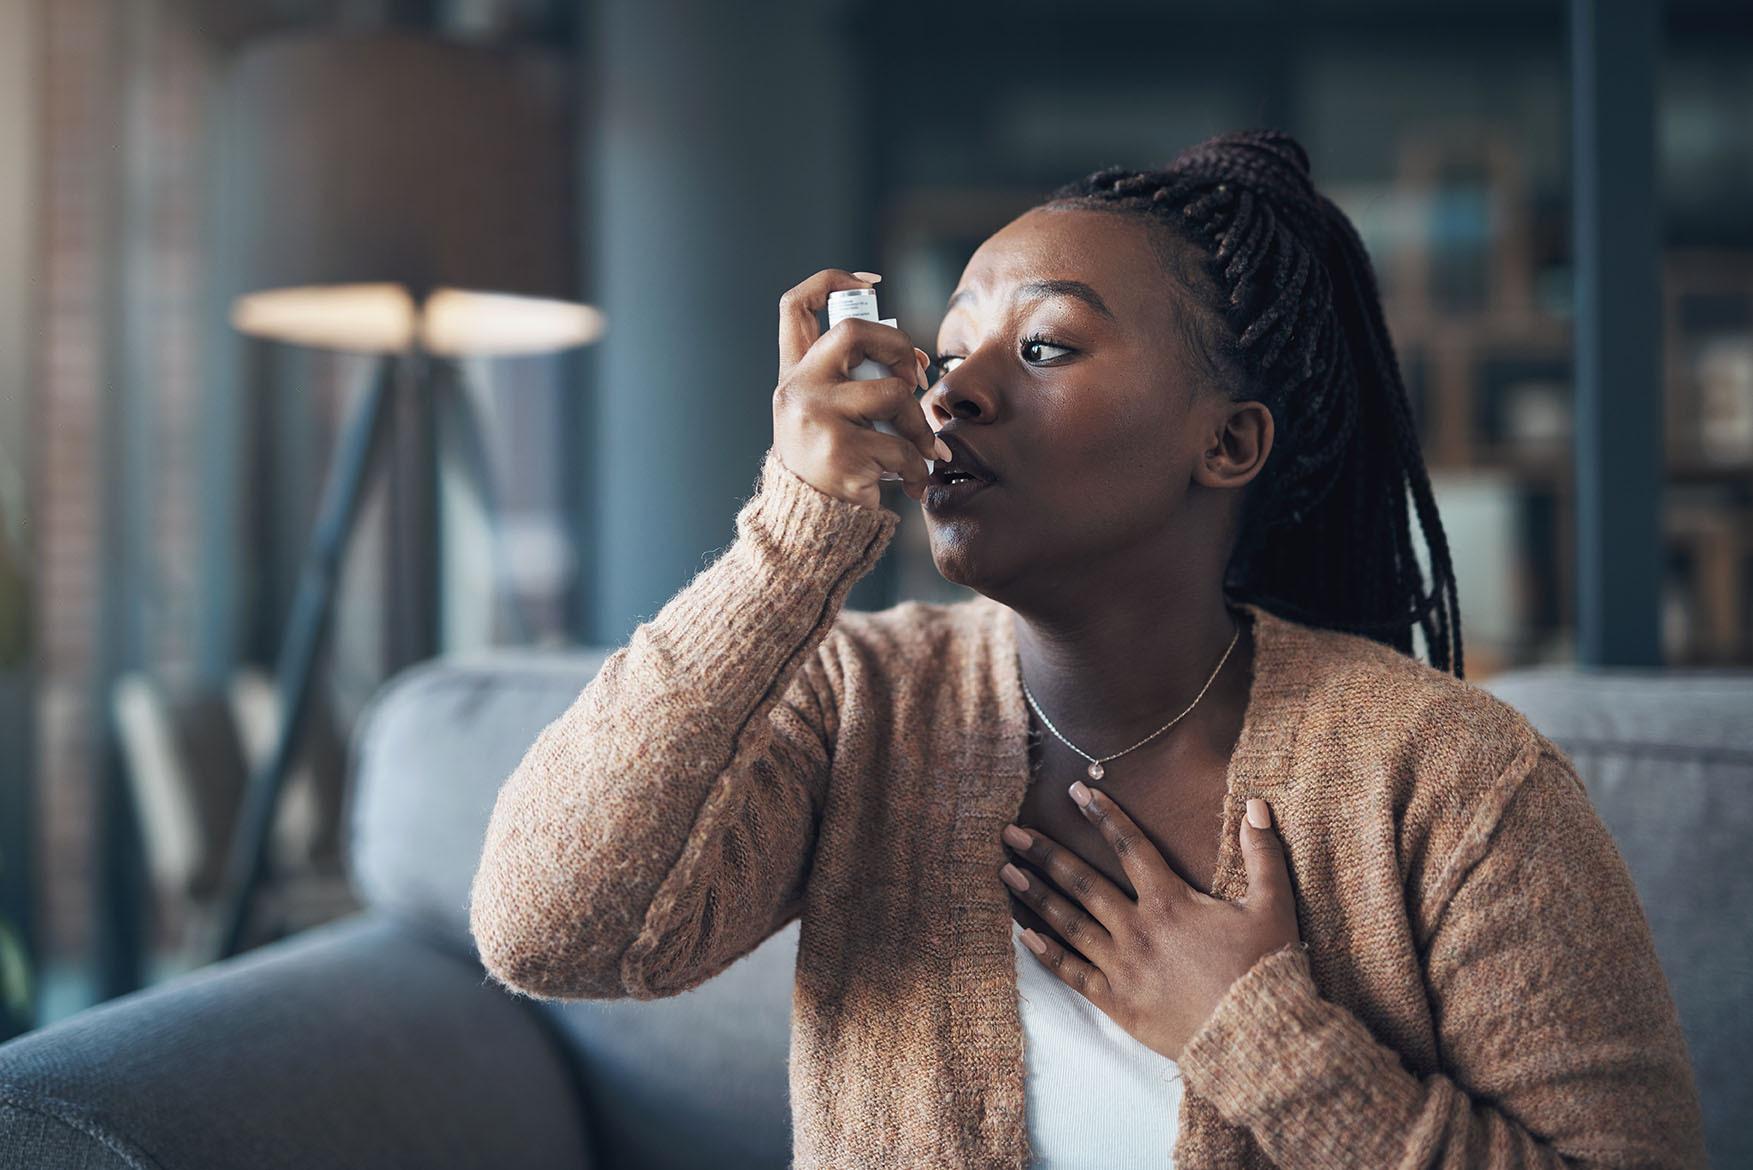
[(1096, 1097)]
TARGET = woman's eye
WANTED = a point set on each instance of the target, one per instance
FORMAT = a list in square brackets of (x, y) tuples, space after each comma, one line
[(1041, 343), (945, 362)]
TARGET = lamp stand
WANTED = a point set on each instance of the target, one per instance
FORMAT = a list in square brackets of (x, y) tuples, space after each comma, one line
[(306, 626)]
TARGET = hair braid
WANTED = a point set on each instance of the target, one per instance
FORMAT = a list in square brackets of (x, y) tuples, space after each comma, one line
[(1292, 317)]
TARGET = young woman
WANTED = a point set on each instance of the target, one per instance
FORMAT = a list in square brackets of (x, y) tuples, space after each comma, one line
[(1163, 850)]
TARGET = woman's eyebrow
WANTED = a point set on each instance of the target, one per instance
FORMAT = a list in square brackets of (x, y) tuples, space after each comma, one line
[(1047, 288)]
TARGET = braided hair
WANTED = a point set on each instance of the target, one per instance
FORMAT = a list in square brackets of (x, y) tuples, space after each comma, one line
[(1284, 310)]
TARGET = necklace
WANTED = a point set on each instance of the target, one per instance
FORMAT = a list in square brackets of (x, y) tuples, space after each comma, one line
[(1095, 769)]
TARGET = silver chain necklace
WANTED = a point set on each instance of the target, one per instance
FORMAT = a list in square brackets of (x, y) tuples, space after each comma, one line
[(1095, 769)]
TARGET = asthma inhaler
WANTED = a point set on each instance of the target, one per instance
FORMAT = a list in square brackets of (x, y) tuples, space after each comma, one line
[(862, 303)]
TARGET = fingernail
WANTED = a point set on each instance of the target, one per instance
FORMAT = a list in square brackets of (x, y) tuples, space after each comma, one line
[(919, 375), (944, 452), (873, 277), (1259, 813), (1080, 794), (1017, 837), (1013, 877), (1033, 941)]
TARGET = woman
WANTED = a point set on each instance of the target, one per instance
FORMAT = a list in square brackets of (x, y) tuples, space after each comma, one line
[(1178, 454)]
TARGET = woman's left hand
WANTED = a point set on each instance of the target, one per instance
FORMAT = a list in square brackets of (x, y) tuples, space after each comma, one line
[(1157, 966)]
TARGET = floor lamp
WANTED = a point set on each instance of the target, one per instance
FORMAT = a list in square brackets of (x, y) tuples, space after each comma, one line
[(397, 194)]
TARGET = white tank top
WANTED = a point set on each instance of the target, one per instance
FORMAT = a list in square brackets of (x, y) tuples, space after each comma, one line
[(1096, 1097)]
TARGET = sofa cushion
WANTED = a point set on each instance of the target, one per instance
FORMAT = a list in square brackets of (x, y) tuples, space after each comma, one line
[(705, 1070), (428, 756), (666, 1079), (1667, 757), (353, 1043)]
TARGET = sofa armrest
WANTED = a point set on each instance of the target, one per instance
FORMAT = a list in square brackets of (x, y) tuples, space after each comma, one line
[(357, 1043)]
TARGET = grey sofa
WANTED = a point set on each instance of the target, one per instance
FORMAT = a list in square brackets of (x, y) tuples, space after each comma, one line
[(377, 1040)]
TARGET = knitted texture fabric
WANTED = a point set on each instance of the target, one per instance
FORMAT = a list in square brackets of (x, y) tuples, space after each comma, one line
[(1480, 988)]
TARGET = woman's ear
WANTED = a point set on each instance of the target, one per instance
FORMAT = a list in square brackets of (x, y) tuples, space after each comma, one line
[(1239, 445)]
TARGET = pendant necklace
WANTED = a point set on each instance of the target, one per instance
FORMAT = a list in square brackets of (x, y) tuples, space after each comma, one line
[(1095, 769)]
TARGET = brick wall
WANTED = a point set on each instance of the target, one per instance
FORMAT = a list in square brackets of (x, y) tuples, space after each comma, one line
[(122, 87), (79, 72)]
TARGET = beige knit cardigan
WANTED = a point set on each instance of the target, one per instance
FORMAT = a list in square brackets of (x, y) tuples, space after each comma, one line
[(1480, 987)]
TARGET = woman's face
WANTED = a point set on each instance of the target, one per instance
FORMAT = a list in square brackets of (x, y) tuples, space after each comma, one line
[(1064, 368)]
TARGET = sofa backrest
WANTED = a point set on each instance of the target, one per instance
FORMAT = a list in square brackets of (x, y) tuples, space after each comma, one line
[(668, 1081), (1667, 757)]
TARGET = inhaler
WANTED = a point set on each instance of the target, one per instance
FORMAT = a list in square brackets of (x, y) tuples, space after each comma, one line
[(862, 303)]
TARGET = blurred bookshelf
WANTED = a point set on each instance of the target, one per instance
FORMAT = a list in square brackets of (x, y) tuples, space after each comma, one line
[(1708, 359), (1483, 329), (1474, 268)]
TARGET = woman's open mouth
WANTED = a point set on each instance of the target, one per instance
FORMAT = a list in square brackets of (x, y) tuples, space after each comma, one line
[(955, 490), (953, 482)]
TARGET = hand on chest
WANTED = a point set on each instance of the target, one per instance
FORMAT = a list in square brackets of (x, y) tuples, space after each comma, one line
[(1176, 799)]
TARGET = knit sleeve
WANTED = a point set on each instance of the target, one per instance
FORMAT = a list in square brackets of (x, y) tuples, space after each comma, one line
[(663, 825), (1560, 1040)]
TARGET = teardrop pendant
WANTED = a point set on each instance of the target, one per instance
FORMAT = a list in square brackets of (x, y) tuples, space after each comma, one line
[(1095, 770)]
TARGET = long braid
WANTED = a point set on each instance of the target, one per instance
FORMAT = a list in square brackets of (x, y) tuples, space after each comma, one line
[(1297, 324)]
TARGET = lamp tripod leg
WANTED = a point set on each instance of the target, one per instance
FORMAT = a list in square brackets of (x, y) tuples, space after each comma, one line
[(306, 625)]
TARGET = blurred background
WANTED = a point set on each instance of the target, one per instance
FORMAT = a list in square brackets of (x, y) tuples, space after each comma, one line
[(625, 190)]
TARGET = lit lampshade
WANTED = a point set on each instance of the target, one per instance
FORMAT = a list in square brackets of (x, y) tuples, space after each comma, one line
[(382, 187)]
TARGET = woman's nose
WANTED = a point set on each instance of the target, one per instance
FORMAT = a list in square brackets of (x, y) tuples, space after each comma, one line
[(959, 395)]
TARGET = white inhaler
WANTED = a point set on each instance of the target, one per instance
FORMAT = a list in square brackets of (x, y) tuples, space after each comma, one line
[(862, 303)]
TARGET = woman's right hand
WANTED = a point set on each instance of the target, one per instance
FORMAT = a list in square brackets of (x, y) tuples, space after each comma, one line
[(822, 420)]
